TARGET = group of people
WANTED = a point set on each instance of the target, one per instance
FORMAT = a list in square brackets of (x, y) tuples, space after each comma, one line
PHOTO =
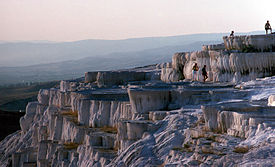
[(267, 27), (195, 70)]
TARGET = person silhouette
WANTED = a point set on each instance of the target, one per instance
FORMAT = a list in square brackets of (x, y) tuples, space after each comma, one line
[(204, 73), (232, 34), (268, 27), (195, 70)]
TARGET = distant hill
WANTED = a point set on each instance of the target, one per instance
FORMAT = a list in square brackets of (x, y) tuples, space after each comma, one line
[(76, 68), (15, 98), (35, 52), (39, 61)]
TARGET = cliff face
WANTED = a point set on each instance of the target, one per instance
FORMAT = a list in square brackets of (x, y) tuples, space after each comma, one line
[(132, 118), (77, 124), (145, 124), (222, 66), (229, 62), (234, 67), (253, 42)]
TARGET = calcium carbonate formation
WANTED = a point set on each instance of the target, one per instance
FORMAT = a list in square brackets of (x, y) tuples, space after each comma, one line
[(156, 116)]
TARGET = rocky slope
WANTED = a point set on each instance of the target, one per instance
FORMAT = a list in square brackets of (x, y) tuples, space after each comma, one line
[(132, 118)]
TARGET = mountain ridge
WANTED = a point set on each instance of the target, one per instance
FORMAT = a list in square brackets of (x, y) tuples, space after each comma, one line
[(76, 68), (29, 53)]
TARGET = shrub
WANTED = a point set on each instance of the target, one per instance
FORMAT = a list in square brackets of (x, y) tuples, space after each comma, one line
[(70, 145), (75, 121), (106, 150), (186, 145), (116, 148), (241, 149), (178, 149), (73, 115), (161, 165), (211, 138), (108, 129), (207, 150), (249, 49), (70, 113)]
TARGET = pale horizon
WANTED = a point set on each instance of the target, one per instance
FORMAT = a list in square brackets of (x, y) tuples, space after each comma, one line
[(70, 20)]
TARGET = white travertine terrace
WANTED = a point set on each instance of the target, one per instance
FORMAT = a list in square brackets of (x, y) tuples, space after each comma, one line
[(260, 42), (226, 62), (132, 118), (271, 100)]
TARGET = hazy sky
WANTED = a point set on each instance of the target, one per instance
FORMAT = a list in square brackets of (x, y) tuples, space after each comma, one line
[(69, 20)]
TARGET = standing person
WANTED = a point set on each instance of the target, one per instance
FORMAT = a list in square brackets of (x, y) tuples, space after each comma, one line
[(204, 73), (232, 34), (267, 27), (195, 70)]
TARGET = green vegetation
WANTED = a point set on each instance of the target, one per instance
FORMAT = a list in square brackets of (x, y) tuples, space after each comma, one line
[(211, 138), (70, 145), (106, 150), (186, 145), (249, 49), (73, 115), (241, 149), (108, 129), (70, 113), (116, 147), (207, 150), (14, 98), (161, 165), (185, 148)]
